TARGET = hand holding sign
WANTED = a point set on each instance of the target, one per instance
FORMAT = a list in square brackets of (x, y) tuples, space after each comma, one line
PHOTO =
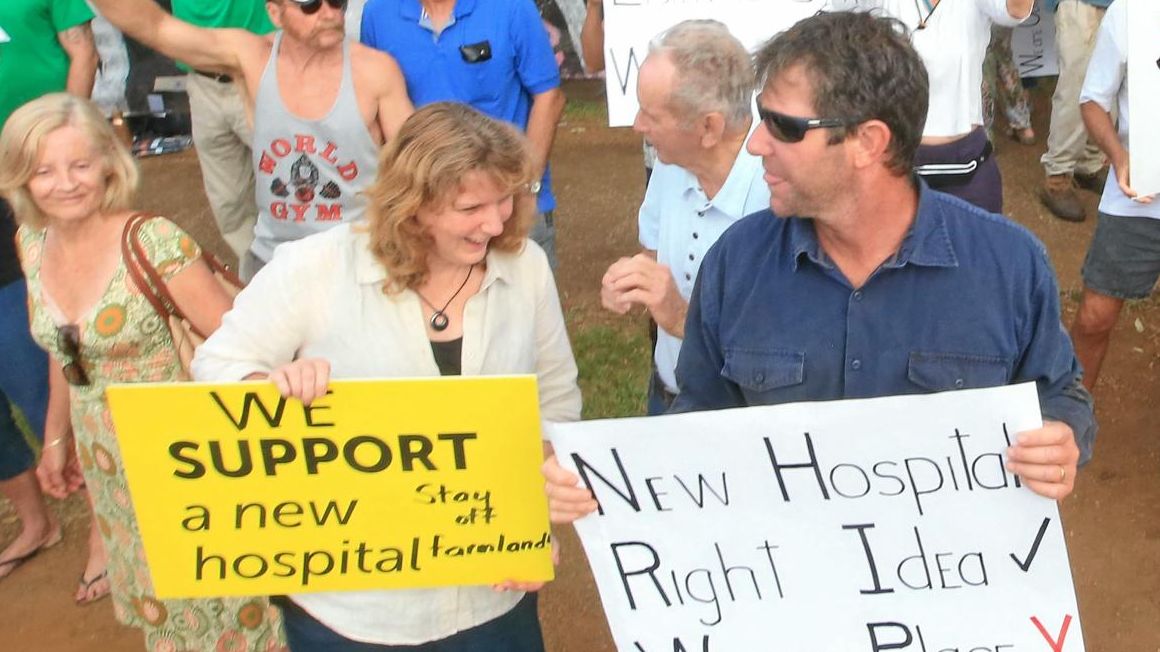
[(567, 500), (305, 379), (1046, 459), (1124, 180)]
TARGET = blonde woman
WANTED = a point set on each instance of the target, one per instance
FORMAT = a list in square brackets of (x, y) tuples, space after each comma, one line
[(441, 280), (71, 184)]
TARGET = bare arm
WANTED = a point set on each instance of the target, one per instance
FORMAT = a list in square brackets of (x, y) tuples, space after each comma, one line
[(56, 472), (216, 50), (592, 37), (394, 104), (1019, 8), (77, 43), (547, 107), (1102, 130), (200, 296)]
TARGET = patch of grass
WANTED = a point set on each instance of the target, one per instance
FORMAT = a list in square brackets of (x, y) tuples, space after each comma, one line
[(614, 367), (582, 109)]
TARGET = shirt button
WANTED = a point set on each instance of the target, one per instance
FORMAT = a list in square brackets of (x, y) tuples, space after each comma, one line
[(695, 236), (688, 277), (691, 257), (855, 364), (857, 295), (959, 383), (759, 378)]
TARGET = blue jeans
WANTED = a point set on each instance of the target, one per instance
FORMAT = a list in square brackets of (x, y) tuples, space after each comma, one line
[(543, 233), (516, 631), (23, 380)]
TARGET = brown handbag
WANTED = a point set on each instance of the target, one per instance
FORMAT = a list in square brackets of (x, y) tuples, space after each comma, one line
[(186, 337)]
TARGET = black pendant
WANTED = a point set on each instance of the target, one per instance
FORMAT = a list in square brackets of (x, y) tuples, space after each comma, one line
[(439, 321)]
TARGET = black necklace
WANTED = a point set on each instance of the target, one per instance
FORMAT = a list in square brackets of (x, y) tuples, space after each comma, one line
[(923, 21), (439, 320)]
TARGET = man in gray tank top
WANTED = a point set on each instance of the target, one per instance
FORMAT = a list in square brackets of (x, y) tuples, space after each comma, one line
[(321, 107)]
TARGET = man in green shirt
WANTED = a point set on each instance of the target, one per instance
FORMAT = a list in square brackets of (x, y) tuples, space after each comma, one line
[(221, 131), (45, 46)]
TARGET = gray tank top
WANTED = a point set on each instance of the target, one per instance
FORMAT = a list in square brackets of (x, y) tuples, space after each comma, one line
[(309, 173)]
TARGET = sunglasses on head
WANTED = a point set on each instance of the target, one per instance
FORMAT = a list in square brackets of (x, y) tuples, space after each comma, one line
[(68, 338), (313, 6), (789, 129)]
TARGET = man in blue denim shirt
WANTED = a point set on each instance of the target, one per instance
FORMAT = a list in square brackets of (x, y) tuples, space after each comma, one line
[(887, 287)]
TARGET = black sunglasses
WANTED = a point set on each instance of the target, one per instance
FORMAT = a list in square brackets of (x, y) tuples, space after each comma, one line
[(312, 7), (68, 338), (789, 129)]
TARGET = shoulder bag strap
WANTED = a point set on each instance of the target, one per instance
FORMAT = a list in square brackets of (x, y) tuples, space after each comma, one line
[(133, 266)]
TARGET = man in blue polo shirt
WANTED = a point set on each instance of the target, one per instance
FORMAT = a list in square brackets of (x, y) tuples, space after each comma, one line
[(491, 54)]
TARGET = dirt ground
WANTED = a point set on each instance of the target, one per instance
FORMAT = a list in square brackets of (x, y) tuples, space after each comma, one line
[(1111, 520)]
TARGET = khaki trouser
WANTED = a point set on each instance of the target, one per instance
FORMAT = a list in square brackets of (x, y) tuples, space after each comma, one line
[(222, 137), (1068, 147)]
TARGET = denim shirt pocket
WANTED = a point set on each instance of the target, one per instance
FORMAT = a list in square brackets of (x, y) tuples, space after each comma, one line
[(762, 370), (938, 372)]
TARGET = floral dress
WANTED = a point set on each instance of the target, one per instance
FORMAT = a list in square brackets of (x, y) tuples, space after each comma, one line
[(123, 340)]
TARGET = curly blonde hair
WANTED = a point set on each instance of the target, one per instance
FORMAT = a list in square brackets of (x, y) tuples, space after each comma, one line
[(424, 167), (23, 138)]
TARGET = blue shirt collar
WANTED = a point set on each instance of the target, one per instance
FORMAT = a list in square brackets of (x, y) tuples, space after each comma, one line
[(412, 10), (927, 243)]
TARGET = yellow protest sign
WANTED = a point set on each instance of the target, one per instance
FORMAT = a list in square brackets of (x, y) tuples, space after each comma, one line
[(380, 484)]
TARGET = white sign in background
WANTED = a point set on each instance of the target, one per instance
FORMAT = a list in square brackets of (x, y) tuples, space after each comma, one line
[(1144, 98), (629, 25), (880, 524), (1033, 44)]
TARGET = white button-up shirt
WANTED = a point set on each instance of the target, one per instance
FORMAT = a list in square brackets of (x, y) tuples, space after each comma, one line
[(680, 223), (321, 297)]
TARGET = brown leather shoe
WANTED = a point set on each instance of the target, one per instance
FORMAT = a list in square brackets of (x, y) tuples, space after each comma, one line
[(1092, 182), (1058, 195)]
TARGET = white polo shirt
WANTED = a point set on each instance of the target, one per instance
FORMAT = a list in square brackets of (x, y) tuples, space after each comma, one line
[(1106, 84), (680, 223)]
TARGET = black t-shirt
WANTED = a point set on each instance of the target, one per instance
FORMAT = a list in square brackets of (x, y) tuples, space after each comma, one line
[(9, 263), (449, 356)]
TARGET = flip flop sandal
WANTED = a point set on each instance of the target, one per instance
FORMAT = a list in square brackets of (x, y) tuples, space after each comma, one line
[(86, 585)]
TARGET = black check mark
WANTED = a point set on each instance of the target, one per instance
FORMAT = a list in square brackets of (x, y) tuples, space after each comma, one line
[(1025, 565)]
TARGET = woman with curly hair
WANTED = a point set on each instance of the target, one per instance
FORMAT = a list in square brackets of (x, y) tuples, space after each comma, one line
[(441, 280)]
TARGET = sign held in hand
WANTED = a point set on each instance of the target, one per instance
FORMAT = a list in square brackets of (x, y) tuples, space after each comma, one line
[(879, 524), (379, 484)]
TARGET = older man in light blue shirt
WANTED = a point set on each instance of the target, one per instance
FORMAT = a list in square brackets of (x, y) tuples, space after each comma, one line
[(695, 94)]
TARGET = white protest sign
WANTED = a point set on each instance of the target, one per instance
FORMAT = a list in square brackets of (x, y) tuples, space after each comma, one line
[(1144, 98), (629, 25), (880, 524), (1033, 44)]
